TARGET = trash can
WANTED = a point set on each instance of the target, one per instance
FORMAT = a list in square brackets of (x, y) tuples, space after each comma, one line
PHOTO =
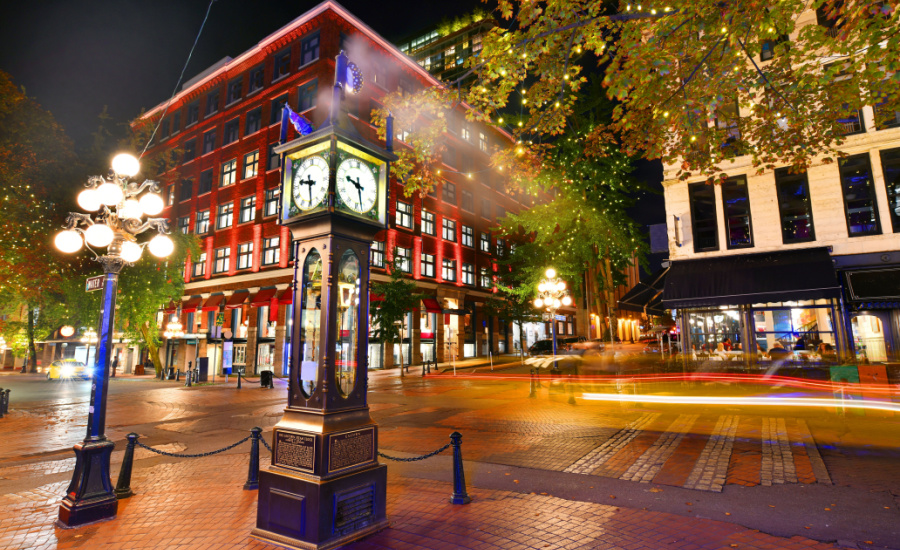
[(265, 378), (170, 375), (203, 369)]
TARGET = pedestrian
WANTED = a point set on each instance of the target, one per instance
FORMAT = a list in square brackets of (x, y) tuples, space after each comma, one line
[(727, 344), (800, 343), (778, 353), (115, 365)]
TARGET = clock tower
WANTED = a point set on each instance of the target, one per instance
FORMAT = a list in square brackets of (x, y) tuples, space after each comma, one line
[(325, 486)]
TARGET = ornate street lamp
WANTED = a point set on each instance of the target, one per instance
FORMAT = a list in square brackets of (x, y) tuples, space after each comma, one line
[(173, 328), (120, 207), (551, 296)]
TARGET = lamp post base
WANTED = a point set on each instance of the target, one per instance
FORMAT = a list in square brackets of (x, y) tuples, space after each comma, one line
[(90, 496)]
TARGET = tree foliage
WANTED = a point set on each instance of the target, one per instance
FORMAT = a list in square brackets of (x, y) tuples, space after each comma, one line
[(399, 298)]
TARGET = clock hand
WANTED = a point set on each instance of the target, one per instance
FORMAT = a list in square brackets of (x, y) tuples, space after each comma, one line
[(310, 182), (359, 188)]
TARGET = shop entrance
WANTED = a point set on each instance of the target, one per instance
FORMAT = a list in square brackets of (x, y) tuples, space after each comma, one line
[(869, 337)]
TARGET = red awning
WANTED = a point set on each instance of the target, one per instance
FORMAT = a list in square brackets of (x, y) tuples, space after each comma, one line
[(192, 304), (236, 300), (213, 302), (286, 296), (263, 297), (171, 308), (432, 305), (375, 297)]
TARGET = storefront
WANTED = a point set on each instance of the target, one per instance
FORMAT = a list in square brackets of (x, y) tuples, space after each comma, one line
[(872, 297), (746, 305)]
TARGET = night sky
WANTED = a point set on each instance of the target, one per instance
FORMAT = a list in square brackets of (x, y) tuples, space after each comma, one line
[(75, 56)]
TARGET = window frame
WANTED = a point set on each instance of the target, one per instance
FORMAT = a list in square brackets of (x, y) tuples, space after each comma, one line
[(271, 252), (696, 227), (247, 212), (376, 254), (253, 116), (468, 274), (224, 215), (205, 183), (403, 215), (222, 262), (877, 230), (448, 270), (234, 90), (890, 160), (280, 59), (727, 184), (228, 171), (253, 163), (304, 47), (787, 178), (427, 265), (468, 237), (405, 255), (272, 197), (244, 256), (209, 141), (198, 268), (448, 229), (201, 221), (231, 131), (428, 223)]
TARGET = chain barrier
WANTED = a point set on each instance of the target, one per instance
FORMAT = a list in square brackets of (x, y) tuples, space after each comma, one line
[(263, 439), (198, 455), (415, 458)]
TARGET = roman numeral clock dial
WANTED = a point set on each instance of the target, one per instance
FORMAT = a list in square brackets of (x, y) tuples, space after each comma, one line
[(356, 185), (310, 183)]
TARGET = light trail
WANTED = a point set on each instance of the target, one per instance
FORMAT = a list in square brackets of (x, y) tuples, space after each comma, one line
[(746, 401)]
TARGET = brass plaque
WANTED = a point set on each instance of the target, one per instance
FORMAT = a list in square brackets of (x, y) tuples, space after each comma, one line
[(295, 450), (351, 448)]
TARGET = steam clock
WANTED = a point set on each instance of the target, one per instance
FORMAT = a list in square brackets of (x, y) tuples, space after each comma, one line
[(325, 486)]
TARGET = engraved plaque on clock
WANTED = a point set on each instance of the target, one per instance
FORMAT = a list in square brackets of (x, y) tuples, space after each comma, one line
[(294, 450)]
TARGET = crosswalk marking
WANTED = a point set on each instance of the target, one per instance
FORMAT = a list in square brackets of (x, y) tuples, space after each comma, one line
[(712, 466), (777, 458), (589, 462), (645, 468), (818, 465)]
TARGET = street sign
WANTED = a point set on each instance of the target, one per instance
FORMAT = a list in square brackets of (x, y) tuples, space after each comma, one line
[(560, 317), (94, 283), (220, 319)]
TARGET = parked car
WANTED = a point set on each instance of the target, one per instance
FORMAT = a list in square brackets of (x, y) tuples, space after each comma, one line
[(653, 345), (545, 347), (68, 369)]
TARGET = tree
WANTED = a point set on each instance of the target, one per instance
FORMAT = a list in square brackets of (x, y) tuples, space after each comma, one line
[(399, 298), (36, 164), (514, 300), (681, 74)]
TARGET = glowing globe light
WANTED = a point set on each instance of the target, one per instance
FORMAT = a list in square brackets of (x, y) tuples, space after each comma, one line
[(124, 164), (98, 235), (542, 287), (66, 331), (538, 303), (152, 204), (550, 273), (131, 209), (131, 251), (161, 246), (89, 200), (556, 302), (110, 194), (567, 300), (68, 241), (561, 285)]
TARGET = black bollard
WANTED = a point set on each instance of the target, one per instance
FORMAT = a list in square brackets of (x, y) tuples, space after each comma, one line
[(429, 367), (6, 401), (178, 375), (123, 486), (571, 392), (2, 402), (533, 392), (253, 473), (423, 369), (459, 477), (239, 380)]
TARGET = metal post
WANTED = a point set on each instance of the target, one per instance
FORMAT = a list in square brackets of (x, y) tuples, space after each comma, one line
[(571, 392), (239, 380), (123, 486), (423, 368), (533, 386), (253, 472), (178, 375), (90, 495), (6, 402), (2, 402), (459, 477)]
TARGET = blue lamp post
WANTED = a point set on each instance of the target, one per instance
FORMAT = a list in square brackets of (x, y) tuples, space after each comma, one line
[(120, 207), (551, 296)]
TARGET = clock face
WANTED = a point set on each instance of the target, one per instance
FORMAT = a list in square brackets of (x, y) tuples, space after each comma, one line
[(310, 182), (356, 185)]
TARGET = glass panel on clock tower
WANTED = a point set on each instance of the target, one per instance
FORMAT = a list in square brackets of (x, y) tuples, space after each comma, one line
[(347, 322), (310, 329)]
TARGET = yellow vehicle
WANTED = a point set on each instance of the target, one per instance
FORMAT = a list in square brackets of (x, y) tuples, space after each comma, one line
[(68, 369)]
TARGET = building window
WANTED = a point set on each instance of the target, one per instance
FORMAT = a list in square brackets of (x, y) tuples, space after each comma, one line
[(254, 121), (229, 173), (427, 265), (448, 156), (728, 122), (206, 180), (464, 132), (736, 206), (890, 165), (468, 236), (190, 150), (251, 164), (703, 217), (282, 64), (377, 254), (484, 275), (274, 161), (255, 79), (448, 193), (223, 256), (485, 242), (209, 141), (404, 215), (199, 267), (271, 250), (187, 190), (164, 129), (405, 255), (245, 256), (248, 209), (449, 229), (859, 196), (193, 113), (271, 206), (486, 208), (234, 91), (225, 215), (184, 224), (448, 270), (171, 198), (309, 49), (501, 247), (482, 142), (468, 274), (768, 51), (212, 103), (428, 223), (176, 123), (468, 201), (794, 207), (232, 131), (276, 107), (307, 96), (201, 225)]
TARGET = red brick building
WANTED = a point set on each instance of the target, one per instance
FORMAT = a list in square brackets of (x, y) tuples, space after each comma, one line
[(222, 184)]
